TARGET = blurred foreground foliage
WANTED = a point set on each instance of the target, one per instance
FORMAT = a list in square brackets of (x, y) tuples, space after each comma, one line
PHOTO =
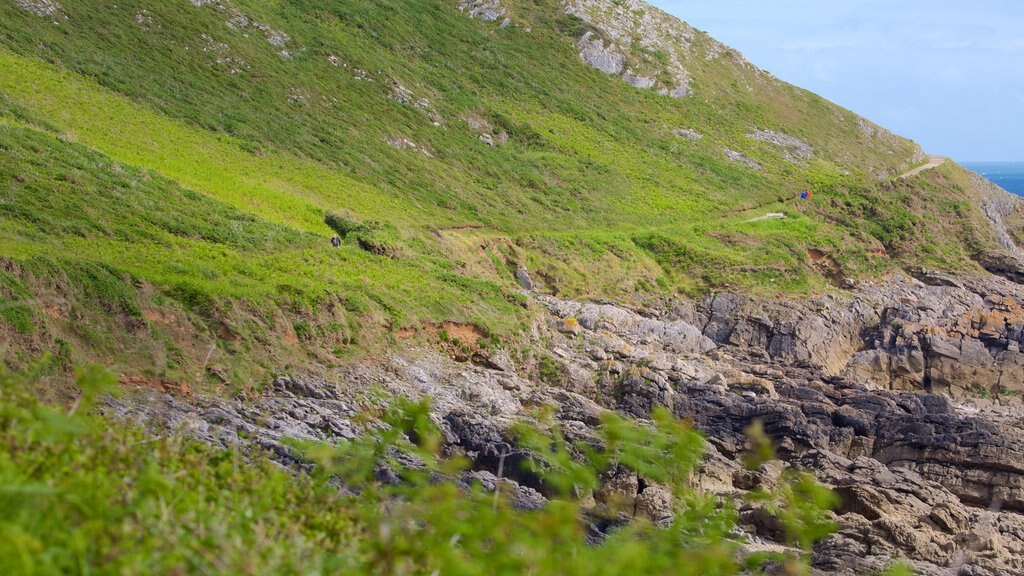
[(81, 493)]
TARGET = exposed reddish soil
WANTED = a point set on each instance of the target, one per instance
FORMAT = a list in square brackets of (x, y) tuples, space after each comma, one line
[(459, 340), (154, 383)]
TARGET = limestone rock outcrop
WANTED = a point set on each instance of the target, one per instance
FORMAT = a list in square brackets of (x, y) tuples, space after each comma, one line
[(486, 10), (792, 148), (633, 22), (949, 336), (875, 390)]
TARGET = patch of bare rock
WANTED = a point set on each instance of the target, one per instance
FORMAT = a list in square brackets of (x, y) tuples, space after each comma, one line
[(741, 158), (688, 134), (39, 7), (485, 132), (486, 10), (792, 148), (621, 24), (238, 20), (871, 389), (997, 206)]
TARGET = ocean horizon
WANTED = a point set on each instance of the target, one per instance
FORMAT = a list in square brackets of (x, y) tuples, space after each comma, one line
[(1009, 175)]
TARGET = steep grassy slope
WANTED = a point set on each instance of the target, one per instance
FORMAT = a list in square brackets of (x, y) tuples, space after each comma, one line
[(88, 236), (167, 167)]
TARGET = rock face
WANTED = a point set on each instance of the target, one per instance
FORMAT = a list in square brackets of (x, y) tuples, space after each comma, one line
[(890, 511), (964, 336), (742, 158), (688, 134), (486, 10), (39, 7), (304, 408), (920, 477), (998, 206), (635, 24), (793, 148), (596, 54), (868, 388)]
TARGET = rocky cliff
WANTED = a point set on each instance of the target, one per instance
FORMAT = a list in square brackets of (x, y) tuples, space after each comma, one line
[(173, 175), (876, 390)]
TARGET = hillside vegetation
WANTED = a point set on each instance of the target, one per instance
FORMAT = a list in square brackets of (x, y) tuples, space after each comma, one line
[(524, 192), (82, 494), (169, 170)]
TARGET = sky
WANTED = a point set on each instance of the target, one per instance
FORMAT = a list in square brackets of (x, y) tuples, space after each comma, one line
[(948, 74)]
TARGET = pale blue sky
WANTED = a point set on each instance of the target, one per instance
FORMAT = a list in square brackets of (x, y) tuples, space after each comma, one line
[(946, 73)]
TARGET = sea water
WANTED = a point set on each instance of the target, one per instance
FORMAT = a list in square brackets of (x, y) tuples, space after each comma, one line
[(1009, 175)]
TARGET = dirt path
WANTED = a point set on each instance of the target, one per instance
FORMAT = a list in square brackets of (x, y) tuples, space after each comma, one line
[(768, 216), (933, 161)]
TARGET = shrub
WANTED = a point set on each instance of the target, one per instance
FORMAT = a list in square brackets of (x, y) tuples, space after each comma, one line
[(83, 494), (343, 225), (378, 238)]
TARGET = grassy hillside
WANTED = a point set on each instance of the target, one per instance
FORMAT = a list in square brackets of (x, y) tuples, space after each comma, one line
[(167, 168)]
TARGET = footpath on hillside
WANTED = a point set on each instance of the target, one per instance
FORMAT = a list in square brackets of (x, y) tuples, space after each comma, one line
[(933, 162)]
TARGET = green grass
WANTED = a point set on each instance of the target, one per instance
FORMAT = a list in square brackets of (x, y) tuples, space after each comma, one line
[(573, 131), (157, 142), (166, 176), (15, 304), (83, 227), (75, 203), (276, 187)]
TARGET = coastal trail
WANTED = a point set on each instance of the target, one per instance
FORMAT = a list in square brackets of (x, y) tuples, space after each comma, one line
[(933, 162)]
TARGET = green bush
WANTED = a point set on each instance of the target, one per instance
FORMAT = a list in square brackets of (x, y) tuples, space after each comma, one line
[(344, 225), (83, 494), (379, 238)]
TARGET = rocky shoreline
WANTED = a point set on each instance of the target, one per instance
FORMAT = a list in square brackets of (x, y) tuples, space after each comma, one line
[(904, 395)]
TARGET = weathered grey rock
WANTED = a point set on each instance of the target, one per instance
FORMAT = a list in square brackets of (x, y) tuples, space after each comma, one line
[(874, 131), (304, 387), (631, 23), (521, 497), (637, 80), (572, 406), (793, 148), (655, 503), (742, 158), (486, 10), (619, 489), (635, 330), (840, 382), (494, 140), (524, 279), (997, 205), (39, 7), (908, 336), (681, 89), (596, 54), (640, 393), (688, 134), (570, 326)]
